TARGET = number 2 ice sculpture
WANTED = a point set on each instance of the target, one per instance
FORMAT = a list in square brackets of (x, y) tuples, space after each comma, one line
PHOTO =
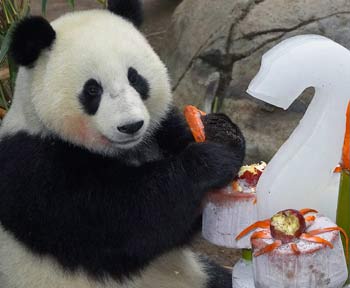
[(301, 173)]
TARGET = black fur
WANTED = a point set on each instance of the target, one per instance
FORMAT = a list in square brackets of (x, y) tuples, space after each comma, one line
[(219, 277), (129, 9), (29, 38), (90, 97), (139, 83), (174, 134), (219, 128), (96, 213)]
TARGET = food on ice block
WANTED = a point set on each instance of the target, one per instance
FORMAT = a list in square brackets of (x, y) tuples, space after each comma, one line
[(297, 249), (228, 211)]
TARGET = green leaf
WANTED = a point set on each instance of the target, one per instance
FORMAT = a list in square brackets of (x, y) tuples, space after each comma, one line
[(13, 68), (43, 6), (26, 9), (71, 3), (6, 43), (3, 102)]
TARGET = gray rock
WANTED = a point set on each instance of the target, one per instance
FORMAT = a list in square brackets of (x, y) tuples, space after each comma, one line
[(229, 37)]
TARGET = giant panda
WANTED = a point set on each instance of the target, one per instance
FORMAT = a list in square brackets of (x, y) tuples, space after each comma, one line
[(101, 182)]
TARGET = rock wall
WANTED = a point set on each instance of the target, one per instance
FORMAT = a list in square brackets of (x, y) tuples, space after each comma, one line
[(229, 37)]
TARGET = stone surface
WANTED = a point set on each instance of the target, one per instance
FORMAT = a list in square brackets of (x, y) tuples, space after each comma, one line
[(157, 15), (230, 37)]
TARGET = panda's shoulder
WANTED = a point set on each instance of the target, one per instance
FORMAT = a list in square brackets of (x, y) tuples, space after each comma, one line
[(22, 154), (21, 147)]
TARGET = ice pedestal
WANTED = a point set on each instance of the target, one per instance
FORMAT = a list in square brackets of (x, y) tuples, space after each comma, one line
[(319, 270), (226, 215), (242, 274), (317, 266)]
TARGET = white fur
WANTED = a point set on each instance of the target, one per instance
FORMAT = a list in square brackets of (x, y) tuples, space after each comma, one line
[(130, 109), (90, 44), (21, 269)]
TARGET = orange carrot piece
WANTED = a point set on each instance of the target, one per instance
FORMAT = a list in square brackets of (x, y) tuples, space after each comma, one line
[(268, 248), (338, 169), (346, 147), (310, 218), (261, 235), (316, 239), (307, 210), (329, 229), (255, 201), (194, 121), (295, 248), (259, 224), (235, 186)]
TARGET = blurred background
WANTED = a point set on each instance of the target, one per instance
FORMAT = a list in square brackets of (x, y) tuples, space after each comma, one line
[(212, 50)]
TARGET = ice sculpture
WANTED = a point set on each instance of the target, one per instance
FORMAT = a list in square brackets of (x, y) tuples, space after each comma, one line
[(301, 173)]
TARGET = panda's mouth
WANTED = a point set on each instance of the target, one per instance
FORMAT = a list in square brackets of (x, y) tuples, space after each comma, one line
[(122, 143)]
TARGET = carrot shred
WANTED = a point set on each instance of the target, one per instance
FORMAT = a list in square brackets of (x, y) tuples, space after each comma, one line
[(268, 248), (329, 229), (338, 169), (255, 201), (346, 147), (259, 224), (307, 210), (261, 235), (295, 248), (316, 239), (193, 118), (310, 218)]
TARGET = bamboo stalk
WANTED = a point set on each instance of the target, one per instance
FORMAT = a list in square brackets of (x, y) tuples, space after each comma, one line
[(343, 209), (247, 254)]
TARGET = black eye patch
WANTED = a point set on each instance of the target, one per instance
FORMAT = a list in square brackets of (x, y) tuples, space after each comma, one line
[(90, 97), (139, 83)]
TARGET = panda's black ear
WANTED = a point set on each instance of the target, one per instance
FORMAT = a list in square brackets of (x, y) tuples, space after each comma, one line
[(129, 9), (29, 38)]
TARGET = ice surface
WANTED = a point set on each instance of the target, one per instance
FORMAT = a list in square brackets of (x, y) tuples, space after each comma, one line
[(242, 274), (222, 223)]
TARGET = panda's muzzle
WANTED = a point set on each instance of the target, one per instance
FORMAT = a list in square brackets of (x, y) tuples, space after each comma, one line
[(131, 128)]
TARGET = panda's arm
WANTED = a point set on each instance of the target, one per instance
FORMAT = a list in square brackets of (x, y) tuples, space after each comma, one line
[(173, 135), (168, 195)]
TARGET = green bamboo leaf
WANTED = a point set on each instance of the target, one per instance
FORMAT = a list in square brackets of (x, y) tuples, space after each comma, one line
[(3, 102), (6, 43), (13, 68), (103, 3), (12, 8), (43, 6), (25, 9), (71, 3)]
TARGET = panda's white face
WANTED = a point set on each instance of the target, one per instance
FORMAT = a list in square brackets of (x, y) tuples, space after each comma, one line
[(100, 85)]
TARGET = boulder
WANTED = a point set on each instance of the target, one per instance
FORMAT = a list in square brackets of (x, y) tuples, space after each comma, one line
[(229, 37)]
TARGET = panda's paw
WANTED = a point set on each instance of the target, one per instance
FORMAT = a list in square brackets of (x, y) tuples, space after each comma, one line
[(212, 165), (220, 129)]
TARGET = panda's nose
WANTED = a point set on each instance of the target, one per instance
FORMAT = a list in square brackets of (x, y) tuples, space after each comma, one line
[(131, 128)]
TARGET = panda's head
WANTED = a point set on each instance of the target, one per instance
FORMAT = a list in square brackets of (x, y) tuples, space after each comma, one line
[(90, 78)]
